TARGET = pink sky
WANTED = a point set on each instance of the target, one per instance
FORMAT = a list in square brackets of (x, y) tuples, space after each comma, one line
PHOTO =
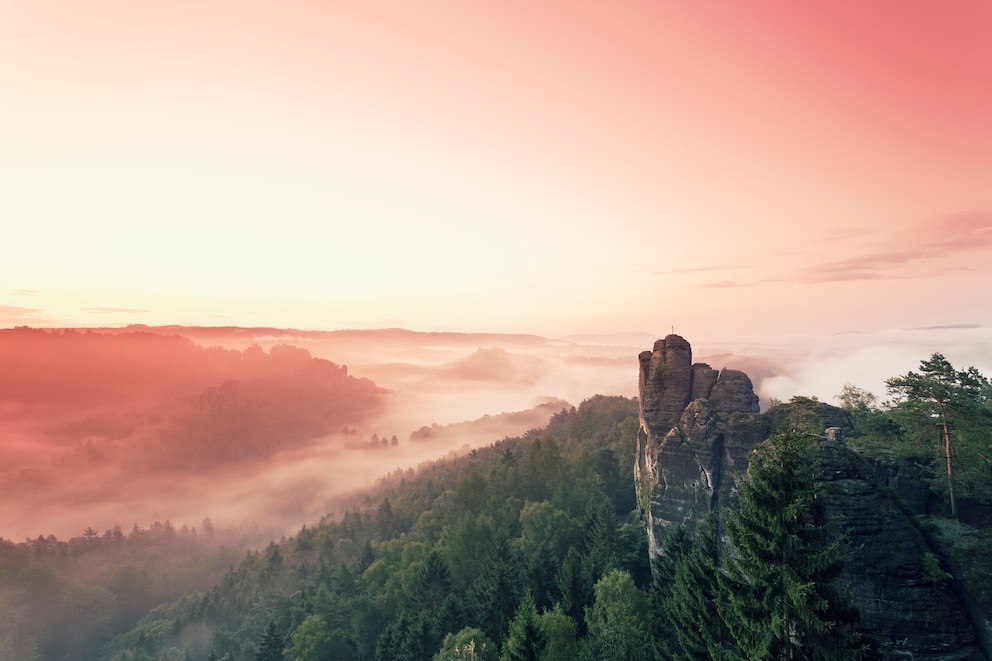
[(552, 167)]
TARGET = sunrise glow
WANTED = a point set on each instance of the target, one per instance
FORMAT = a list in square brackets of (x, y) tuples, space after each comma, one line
[(551, 168)]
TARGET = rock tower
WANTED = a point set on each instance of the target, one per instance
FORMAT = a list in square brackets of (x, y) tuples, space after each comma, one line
[(697, 425)]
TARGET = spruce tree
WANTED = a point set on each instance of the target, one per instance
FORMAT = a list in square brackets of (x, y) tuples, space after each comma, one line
[(433, 595), (574, 586), (692, 602), (677, 544), (779, 581), (496, 592), (525, 641), (270, 646)]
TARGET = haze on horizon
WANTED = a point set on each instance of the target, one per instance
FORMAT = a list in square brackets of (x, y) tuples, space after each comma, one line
[(256, 427)]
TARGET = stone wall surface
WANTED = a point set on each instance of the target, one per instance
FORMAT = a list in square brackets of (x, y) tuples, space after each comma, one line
[(884, 572)]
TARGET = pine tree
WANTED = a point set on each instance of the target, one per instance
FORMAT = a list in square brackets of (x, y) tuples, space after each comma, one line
[(676, 546), (602, 540), (692, 603), (270, 646), (574, 586), (785, 556), (956, 401), (524, 641), (495, 594), (433, 594)]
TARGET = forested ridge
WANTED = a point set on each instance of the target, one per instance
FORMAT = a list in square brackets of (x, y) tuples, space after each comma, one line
[(452, 545), (529, 548)]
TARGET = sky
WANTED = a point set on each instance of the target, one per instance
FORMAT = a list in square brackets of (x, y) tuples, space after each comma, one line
[(756, 168)]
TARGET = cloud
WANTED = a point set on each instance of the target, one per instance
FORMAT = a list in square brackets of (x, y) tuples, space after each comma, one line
[(15, 315), (701, 269), (843, 233), (939, 239), (15, 312), (724, 284), (25, 292), (864, 267), (492, 364), (947, 327), (106, 310)]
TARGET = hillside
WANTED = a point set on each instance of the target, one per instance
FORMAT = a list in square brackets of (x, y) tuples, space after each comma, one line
[(359, 579)]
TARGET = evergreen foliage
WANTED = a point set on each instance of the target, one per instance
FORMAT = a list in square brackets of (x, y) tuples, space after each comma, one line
[(781, 603), (270, 646), (693, 602), (676, 546), (435, 555), (525, 639), (940, 407), (496, 592)]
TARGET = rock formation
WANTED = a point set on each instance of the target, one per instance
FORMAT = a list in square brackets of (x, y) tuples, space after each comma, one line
[(885, 575), (697, 425), (697, 428)]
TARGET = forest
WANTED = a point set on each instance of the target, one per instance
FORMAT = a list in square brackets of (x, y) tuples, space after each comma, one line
[(528, 548)]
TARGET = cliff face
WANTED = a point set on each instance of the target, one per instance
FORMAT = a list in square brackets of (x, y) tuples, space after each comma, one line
[(697, 428), (697, 425), (885, 572)]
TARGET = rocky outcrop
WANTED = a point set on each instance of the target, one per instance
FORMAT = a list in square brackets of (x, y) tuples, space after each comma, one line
[(697, 425), (905, 608)]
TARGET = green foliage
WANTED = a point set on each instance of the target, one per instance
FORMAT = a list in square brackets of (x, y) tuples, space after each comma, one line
[(645, 482), (496, 592), (560, 634), (933, 572), (68, 597), (803, 414), (574, 585), (676, 545), (546, 535), (947, 416), (781, 603), (525, 639), (966, 552), (432, 595), (313, 640), (873, 426), (692, 603), (469, 644), (271, 644), (619, 620)]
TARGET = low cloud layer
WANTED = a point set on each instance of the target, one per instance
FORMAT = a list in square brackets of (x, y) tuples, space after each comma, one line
[(279, 427)]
